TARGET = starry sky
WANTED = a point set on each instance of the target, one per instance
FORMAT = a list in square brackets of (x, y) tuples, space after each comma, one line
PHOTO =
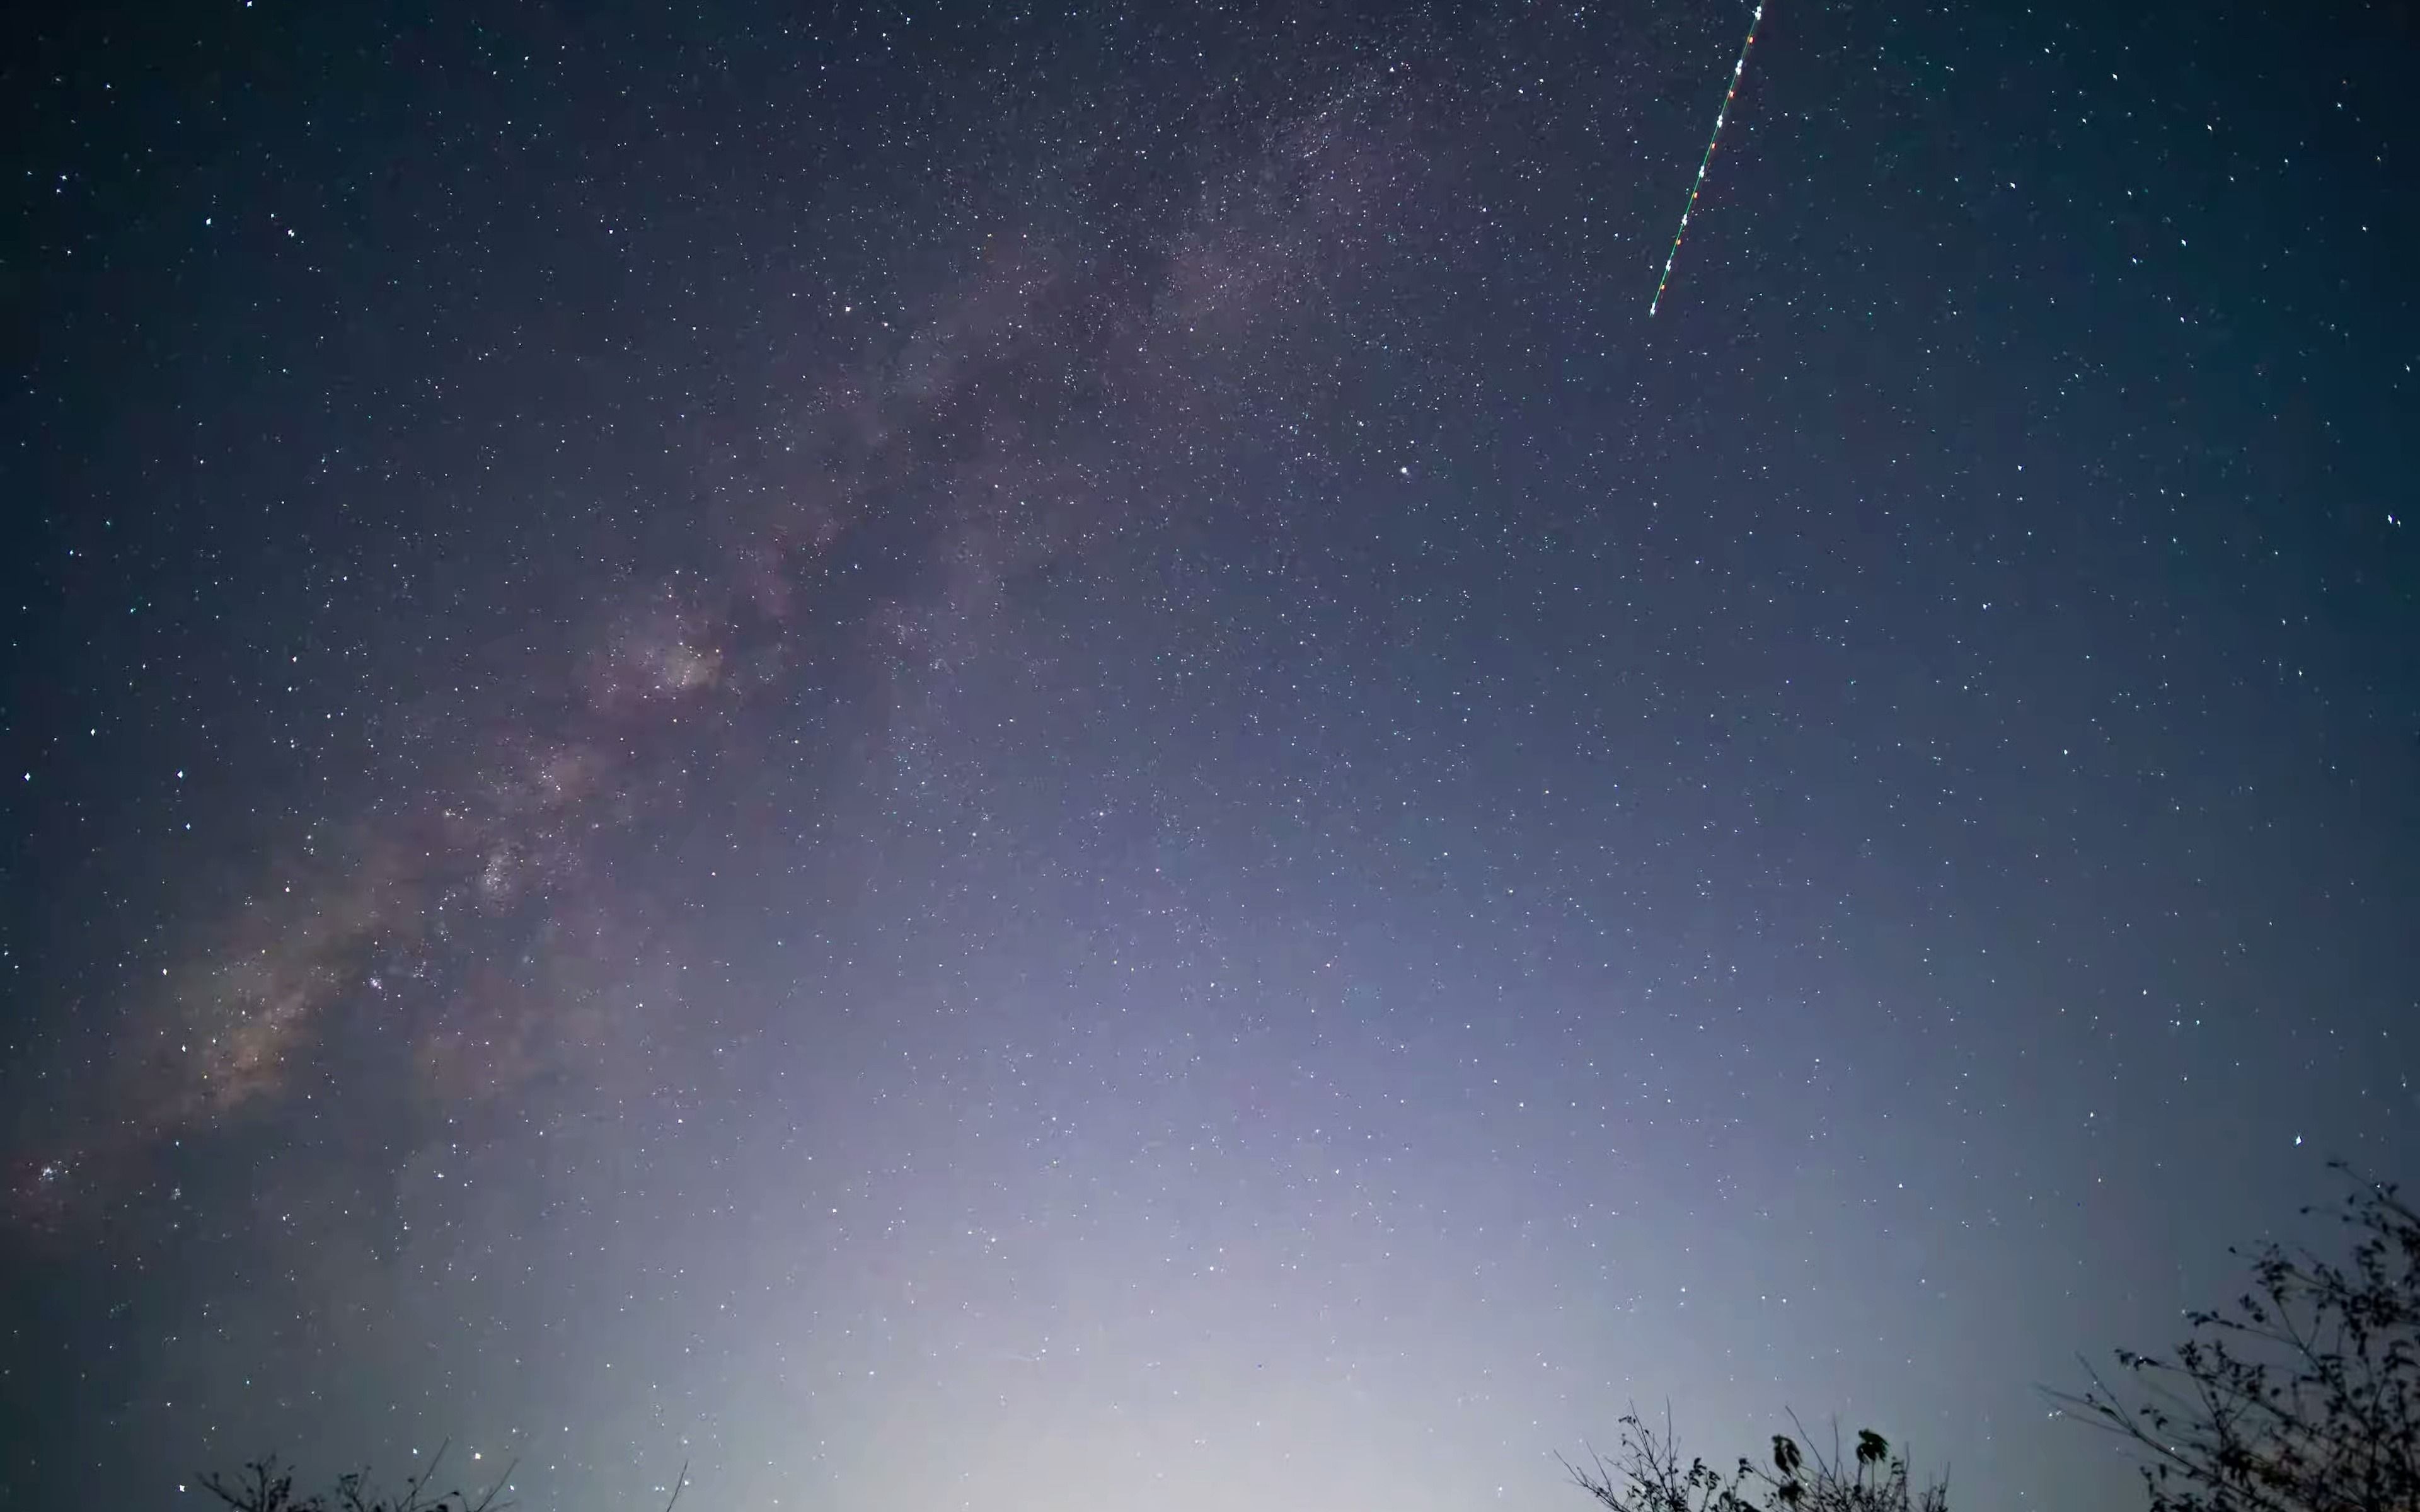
[(964, 756)]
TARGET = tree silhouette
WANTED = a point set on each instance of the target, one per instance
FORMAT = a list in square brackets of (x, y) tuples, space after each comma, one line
[(2304, 1396), (1647, 1476)]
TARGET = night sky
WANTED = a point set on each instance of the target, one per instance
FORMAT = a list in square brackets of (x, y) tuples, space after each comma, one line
[(979, 758)]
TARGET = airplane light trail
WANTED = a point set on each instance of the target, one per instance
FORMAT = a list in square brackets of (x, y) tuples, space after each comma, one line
[(1721, 116)]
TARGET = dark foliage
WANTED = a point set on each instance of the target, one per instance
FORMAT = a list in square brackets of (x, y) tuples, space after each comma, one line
[(2304, 1396), (266, 1486), (1647, 1476)]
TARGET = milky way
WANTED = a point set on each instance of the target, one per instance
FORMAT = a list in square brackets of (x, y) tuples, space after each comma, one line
[(1001, 761)]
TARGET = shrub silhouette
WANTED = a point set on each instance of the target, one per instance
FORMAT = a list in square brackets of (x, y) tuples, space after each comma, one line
[(2303, 1396), (1645, 1475), (268, 1485)]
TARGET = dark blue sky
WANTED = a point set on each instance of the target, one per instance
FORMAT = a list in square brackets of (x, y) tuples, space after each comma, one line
[(981, 758)]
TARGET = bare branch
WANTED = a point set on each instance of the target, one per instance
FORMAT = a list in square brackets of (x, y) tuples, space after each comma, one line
[(1649, 1476), (2304, 1396)]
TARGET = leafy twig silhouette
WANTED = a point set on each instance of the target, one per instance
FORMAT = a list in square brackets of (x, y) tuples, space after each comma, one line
[(1646, 1475), (2304, 1396), (268, 1485)]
